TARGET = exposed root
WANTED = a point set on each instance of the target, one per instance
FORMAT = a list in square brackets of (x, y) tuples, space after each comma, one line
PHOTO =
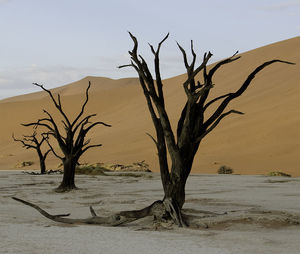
[(160, 210), (166, 214), (43, 212), (175, 212), (113, 220)]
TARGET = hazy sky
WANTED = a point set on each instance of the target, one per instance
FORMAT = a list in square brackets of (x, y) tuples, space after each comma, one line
[(55, 42)]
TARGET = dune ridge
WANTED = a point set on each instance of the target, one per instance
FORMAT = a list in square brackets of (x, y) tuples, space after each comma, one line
[(266, 138)]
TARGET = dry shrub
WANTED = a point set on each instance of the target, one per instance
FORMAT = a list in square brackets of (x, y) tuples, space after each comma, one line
[(89, 170), (278, 173), (225, 170), (24, 164)]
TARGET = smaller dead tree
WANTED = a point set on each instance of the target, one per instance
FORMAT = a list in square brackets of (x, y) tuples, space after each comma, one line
[(32, 142), (73, 143)]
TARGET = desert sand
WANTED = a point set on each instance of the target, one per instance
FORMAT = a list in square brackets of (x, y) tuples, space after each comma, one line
[(266, 138), (244, 214)]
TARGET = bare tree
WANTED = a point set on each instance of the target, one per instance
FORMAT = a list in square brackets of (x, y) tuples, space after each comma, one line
[(194, 124), (73, 143), (32, 142)]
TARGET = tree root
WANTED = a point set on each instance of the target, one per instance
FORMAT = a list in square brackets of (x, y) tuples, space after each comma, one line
[(175, 212), (160, 210)]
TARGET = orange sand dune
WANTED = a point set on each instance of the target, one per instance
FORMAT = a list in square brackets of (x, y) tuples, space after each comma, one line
[(266, 138)]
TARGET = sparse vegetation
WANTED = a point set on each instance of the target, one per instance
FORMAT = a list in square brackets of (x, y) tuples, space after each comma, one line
[(89, 170), (24, 164), (278, 173), (134, 167), (132, 170), (225, 170)]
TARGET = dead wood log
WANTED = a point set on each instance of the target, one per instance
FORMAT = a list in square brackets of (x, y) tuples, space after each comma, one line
[(113, 220), (158, 209)]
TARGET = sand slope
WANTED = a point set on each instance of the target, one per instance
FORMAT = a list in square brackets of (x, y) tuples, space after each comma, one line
[(266, 138)]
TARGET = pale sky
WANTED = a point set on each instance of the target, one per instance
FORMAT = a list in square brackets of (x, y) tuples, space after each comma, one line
[(55, 42)]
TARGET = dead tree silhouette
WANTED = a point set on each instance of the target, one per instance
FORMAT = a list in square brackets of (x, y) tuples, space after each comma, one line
[(32, 142), (73, 143), (193, 125)]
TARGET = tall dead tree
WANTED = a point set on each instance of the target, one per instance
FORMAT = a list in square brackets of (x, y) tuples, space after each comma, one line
[(32, 142), (194, 124), (73, 142)]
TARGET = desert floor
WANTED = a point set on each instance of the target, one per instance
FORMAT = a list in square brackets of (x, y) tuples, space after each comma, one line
[(244, 214)]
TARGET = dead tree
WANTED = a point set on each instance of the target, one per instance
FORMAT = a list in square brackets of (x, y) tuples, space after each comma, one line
[(194, 124), (73, 143), (32, 142)]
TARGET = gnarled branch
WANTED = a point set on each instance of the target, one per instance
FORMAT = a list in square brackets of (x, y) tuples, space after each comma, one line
[(215, 124), (83, 105), (157, 209), (57, 104), (240, 91)]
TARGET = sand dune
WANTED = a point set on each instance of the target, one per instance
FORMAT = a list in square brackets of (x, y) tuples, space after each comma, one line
[(266, 138)]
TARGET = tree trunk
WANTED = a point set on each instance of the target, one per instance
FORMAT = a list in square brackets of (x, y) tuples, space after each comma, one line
[(176, 192), (68, 182), (175, 197), (42, 166), (42, 161), (175, 188)]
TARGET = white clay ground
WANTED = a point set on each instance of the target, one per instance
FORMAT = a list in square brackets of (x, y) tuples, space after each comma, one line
[(244, 214)]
